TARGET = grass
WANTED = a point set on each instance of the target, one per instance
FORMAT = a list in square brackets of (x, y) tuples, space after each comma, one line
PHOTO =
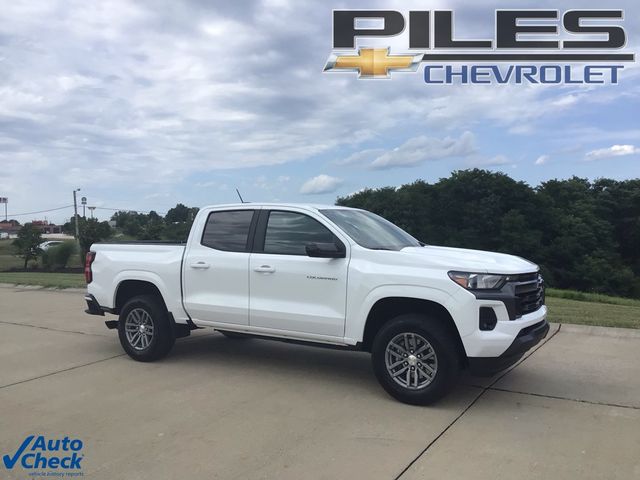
[(52, 280), (5, 247), (592, 297), (562, 310), (8, 258), (581, 308)]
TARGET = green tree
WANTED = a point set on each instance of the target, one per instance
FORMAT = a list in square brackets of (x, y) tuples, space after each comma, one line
[(130, 223), (178, 221), (92, 231), (619, 203), (467, 209), (180, 214), (583, 235), (28, 243), (579, 239), (175, 226), (152, 227)]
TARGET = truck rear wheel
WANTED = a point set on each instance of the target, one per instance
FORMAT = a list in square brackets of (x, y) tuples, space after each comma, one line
[(415, 359), (144, 329)]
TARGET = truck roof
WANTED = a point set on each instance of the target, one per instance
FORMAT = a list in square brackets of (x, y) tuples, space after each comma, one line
[(307, 206)]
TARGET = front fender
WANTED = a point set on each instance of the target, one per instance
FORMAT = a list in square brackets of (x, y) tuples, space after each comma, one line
[(357, 319)]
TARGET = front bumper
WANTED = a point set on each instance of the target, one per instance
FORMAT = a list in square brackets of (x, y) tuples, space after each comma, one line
[(526, 339)]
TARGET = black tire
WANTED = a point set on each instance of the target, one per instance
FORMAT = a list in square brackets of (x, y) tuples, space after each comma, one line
[(162, 338), (234, 335), (443, 345)]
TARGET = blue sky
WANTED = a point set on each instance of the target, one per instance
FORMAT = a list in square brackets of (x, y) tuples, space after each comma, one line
[(146, 104)]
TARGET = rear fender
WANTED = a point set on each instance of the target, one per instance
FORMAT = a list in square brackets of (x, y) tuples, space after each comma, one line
[(170, 294)]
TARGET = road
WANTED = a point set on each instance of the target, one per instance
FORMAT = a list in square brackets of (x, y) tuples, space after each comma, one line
[(221, 408)]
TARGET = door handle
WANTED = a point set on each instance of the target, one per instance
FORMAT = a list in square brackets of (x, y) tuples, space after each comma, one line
[(200, 265), (264, 269)]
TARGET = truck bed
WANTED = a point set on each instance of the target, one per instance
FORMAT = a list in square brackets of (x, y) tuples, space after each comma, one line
[(156, 262)]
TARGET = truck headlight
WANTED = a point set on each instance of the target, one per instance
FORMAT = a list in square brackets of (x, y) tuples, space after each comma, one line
[(478, 281)]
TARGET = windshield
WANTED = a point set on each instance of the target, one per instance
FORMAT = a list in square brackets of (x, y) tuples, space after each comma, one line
[(369, 230)]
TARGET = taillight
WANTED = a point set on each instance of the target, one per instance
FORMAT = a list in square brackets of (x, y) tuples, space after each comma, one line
[(88, 274)]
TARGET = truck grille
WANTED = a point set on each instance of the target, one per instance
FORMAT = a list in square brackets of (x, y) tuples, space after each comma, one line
[(529, 290)]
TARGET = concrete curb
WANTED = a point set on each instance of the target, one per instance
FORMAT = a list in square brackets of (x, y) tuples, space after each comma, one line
[(41, 288)]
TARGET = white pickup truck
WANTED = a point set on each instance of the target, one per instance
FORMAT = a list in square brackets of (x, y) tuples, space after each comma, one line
[(324, 275)]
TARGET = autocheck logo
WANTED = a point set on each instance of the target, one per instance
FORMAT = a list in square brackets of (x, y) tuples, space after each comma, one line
[(49, 456), (528, 47)]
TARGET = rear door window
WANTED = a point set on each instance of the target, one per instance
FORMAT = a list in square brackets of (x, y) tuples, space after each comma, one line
[(228, 231)]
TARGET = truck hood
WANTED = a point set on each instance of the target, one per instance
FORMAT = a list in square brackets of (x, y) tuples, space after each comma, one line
[(466, 260)]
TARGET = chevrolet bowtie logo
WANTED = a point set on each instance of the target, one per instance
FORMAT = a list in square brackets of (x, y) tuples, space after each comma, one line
[(373, 63)]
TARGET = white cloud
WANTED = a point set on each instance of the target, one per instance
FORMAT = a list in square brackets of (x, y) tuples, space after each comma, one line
[(496, 161), (360, 190), (566, 101), (153, 196), (415, 151), (212, 184), (613, 151), (421, 149), (363, 156), (541, 160), (465, 107), (111, 88), (320, 184), (262, 182)]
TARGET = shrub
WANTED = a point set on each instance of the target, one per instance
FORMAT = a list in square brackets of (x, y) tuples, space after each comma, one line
[(57, 257)]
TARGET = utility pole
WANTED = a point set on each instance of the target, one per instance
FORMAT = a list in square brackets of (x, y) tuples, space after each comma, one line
[(5, 200), (75, 212)]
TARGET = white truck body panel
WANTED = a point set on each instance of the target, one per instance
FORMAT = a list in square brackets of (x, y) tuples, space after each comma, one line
[(158, 264), (299, 293)]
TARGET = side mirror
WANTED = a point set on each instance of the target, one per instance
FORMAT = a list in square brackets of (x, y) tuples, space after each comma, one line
[(325, 250)]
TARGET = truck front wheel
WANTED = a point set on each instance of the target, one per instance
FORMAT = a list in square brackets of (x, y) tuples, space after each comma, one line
[(144, 329), (415, 359)]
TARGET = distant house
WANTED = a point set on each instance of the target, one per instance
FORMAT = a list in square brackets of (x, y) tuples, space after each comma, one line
[(10, 227), (47, 228)]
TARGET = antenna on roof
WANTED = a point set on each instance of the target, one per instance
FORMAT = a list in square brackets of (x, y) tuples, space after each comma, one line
[(238, 192)]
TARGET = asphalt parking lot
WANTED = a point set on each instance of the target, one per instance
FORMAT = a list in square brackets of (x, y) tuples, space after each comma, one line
[(220, 408)]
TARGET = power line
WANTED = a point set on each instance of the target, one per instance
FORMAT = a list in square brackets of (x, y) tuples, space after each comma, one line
[(119, 209), (127, 210), (71, 206), (39, 211)]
